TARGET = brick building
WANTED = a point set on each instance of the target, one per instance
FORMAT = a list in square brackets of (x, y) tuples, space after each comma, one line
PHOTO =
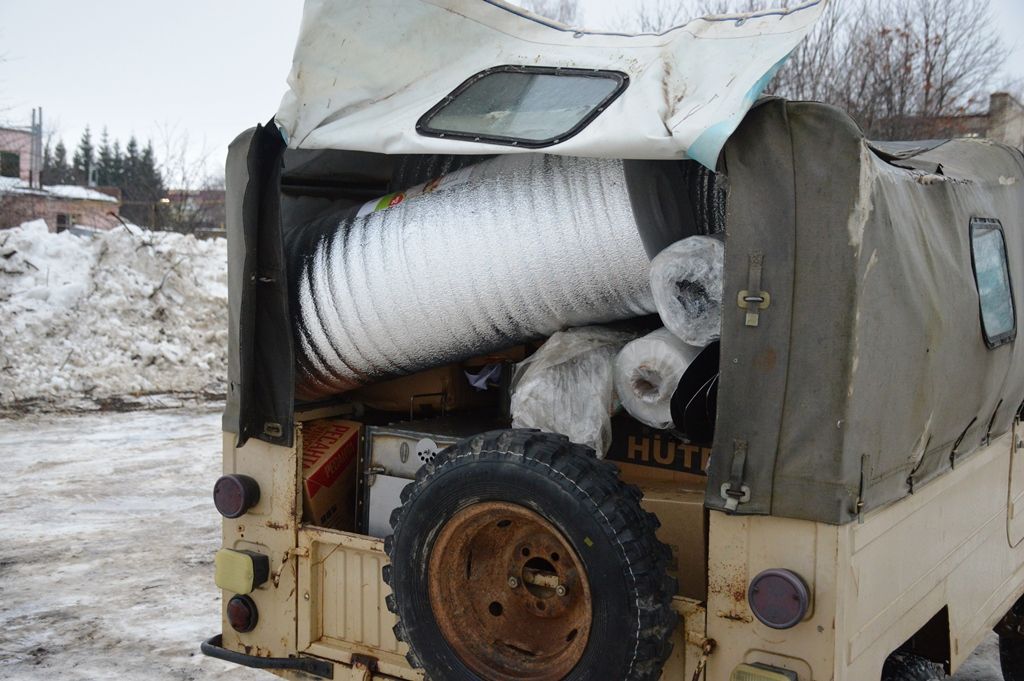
[(1003, 122), (15, 153), (1006, 120), (61, 206)]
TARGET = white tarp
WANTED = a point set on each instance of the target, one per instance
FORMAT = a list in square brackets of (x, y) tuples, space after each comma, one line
[(365, 71)]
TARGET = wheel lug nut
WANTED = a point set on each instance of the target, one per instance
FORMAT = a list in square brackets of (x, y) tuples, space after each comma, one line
[(513, 582), (561, 590)]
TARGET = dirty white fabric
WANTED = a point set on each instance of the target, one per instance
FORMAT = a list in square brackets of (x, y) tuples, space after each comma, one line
[(365, 71), (647, 372), (686, 280), (567, 386)]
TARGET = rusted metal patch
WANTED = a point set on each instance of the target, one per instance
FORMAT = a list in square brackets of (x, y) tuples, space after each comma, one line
[(509, 594)]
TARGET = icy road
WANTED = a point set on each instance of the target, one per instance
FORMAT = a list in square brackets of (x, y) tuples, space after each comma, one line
[(107, 536)]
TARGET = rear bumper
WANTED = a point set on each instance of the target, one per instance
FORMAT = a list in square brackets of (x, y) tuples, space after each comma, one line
[(214, 648)]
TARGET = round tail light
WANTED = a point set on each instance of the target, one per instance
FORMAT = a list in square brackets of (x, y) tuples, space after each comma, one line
[(233, 495), (242, 614), (779, 598)]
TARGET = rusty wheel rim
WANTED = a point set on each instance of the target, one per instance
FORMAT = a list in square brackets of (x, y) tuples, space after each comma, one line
[(509, 594)]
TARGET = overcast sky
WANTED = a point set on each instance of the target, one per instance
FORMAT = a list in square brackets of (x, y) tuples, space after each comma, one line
[(205, 68)]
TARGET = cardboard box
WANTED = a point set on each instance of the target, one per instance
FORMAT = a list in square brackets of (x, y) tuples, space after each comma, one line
[(330, 449), (436, 391), (680, 509), (645, 454)]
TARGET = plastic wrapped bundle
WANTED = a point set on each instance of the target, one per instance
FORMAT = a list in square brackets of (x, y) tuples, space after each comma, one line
[(504, 251), (567, 386), (686, 280), (647, 372)]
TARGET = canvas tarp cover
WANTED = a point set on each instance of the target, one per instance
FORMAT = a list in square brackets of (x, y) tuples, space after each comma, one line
[(364, 72), (868, 373)]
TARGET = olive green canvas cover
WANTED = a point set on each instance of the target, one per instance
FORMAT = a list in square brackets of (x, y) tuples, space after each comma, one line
[(867, 374)]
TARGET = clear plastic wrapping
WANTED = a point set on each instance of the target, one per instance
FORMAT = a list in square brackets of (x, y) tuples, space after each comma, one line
[(686, 280), (647, 372), (567, 386)]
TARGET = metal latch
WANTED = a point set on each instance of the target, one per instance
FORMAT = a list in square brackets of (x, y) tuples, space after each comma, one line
[(734, 496), (297, 552), (364, 666), (735, 492), (753, 299), (372, 472), (707, 647)]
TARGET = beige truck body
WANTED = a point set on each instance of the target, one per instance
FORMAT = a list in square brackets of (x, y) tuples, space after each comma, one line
[(953, 550), (866, 427)]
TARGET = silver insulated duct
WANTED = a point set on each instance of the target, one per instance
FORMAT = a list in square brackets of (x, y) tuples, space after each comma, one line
[(510, 249)]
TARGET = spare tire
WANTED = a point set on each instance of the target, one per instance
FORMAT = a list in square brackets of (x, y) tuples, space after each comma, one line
[(519, 556)]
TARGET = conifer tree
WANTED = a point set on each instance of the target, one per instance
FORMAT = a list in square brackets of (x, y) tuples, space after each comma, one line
[(105, 162), (85, 158), (134, 170), (116, 165), (56, 169)]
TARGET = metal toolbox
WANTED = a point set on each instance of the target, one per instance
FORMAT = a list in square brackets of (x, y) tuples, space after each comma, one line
[(392, 454)]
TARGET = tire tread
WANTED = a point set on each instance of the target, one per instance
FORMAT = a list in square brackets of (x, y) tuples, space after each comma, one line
[(591, 480)]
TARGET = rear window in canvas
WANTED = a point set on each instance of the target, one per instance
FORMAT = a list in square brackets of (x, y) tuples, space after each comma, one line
[(523, 105), (992, 275)]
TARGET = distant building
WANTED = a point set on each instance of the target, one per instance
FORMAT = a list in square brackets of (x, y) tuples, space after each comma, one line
[(61, 206), (16, 153), (200, 211), (1003, 122), (1006, 120)]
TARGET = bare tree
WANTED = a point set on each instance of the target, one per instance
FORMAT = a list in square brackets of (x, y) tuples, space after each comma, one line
[(563, 11), (820, 65), (194, 199), (904, 69), (655, 16)]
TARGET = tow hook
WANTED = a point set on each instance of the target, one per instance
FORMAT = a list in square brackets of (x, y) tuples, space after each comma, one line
[(366, 664)]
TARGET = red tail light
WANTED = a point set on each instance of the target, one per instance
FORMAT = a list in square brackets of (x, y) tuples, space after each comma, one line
[(233, 495), (779, 598), (242, 614)]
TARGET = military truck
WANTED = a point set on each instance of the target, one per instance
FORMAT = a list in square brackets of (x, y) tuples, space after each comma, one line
[(860, 515)]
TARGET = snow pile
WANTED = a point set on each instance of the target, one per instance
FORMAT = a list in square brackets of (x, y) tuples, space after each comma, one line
[(110, 315)]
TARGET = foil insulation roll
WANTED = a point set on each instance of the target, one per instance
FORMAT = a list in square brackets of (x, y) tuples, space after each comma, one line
[(507, 250), (686, 280), (647, 373)]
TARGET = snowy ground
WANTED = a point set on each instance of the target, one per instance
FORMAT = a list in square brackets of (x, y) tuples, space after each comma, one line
[(107, 535)]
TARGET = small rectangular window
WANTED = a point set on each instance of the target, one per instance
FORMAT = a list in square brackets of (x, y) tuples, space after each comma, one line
[(992, 276), (528, 106), (63, 222), (10, 164)]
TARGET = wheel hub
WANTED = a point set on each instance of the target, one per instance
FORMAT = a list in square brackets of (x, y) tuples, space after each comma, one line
[(509, 594)]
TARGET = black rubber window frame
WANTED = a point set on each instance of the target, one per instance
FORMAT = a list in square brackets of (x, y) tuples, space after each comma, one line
[(993, 342), (423, 124)]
